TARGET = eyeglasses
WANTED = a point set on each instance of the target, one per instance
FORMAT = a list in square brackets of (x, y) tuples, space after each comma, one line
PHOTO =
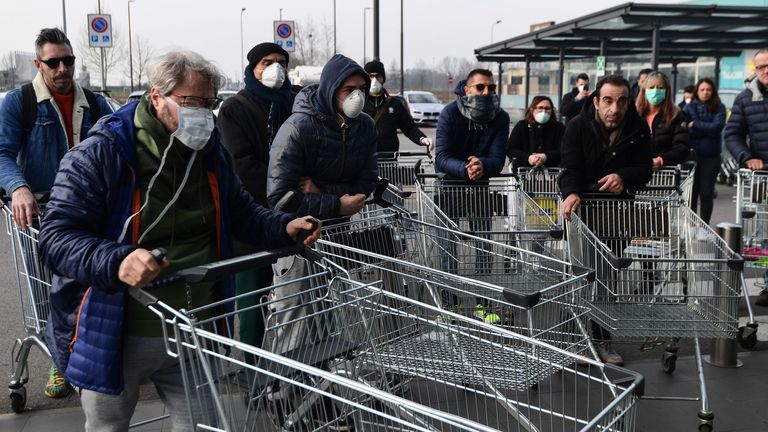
[(54, 62), (198, 102), (761, 67), (481, 87)]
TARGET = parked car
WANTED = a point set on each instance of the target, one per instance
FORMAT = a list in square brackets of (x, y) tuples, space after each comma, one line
[(224, 95), (424, 106), (135, 96)]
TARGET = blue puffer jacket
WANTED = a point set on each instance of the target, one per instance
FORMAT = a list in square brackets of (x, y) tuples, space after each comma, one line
[(749, 118), (92, 196), (32, 160), (339, 160), (458, 138), (706, 135)]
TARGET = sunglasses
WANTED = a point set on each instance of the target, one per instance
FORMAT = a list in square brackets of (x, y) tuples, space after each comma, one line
[(481, 87), (53, 63)]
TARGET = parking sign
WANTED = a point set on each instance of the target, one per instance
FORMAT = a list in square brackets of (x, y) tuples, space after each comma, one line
[(100, 30), (285, 36)]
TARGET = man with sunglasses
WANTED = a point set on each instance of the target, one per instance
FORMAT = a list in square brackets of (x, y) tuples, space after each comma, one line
[(30, 153), (471, 146)]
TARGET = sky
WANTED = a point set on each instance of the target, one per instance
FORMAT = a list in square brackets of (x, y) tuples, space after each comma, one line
[(433, 29)]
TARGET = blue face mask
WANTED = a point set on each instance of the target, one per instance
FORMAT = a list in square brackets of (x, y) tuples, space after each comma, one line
[(655, 96)]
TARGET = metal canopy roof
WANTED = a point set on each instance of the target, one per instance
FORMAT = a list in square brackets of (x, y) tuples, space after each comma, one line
[(682, 32)]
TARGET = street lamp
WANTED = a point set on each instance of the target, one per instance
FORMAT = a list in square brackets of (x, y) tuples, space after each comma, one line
[(130, 44), (364, 31), (242, 55), (492, 26)]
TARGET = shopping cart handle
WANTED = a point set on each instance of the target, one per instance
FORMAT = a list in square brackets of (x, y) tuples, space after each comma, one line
[(378, 194), (557, 233), (578, 271), (527, 301), (619, 262), (627, 377), (219, 270), (40, 197)]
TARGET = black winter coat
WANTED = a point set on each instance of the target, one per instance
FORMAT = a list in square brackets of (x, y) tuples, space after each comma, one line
[(394, 115), (243, 125), (671, 143), (570, 107), (746, 133), (586, 157), (526, 139)]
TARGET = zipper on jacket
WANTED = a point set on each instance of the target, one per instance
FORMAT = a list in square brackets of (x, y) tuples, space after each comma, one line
[(344, 127)]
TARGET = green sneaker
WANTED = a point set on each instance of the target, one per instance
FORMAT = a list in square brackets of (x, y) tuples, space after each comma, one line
[(57, 386), (488, 318)]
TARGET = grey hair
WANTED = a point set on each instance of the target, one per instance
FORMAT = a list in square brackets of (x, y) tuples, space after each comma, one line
[(761, 51), (168, 70)]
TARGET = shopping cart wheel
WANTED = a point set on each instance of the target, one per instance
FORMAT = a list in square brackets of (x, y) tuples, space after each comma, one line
[(747, 336), (18, 399), (668, 362), (705, 419)]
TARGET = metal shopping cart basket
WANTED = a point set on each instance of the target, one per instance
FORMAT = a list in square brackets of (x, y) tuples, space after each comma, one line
[(34, 282), (400, 170), (523, 291), (660, 272), (339, 377), (540, 183), (672, 182), (496, 209)]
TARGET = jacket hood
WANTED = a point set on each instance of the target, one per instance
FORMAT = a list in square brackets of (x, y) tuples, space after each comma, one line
[(334, 73), (460, 89), (757, 95)]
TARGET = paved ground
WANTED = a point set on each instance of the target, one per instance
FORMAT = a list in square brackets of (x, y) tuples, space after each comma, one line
[(738, 396)]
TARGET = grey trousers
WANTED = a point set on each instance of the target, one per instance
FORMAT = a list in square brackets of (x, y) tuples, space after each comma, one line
[(144, 360)]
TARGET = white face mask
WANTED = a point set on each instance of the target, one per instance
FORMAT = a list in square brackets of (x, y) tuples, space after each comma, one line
[(273, 76), (195, 126), (688, 100), (541, 117), (353, 104), (375, 87)]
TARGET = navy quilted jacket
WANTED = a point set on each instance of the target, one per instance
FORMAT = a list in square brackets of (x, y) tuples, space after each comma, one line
[(90, 200), (706, 135), (749, 119)]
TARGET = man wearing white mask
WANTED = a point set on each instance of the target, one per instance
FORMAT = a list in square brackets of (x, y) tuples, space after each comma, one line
[(249, 122), (153, 175), (390, 113), (325, 151)]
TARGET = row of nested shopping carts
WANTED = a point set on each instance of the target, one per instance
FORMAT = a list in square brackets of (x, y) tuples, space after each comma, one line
[(457, 307)]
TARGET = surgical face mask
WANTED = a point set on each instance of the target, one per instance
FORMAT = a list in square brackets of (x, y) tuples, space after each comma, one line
[(375, 87), (273, 76), (195, 126), (541, 117), (353, 104), (655, 96), (479, 108), (688, 100)]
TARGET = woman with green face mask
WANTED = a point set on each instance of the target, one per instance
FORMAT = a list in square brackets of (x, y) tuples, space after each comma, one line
[(669, 133)]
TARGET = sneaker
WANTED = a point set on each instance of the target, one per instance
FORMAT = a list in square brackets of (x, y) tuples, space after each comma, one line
[(487, 317), (57, 386), (762, 299), (608, 354)]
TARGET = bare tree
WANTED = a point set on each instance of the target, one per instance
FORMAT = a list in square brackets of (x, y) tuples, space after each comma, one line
[(314, 43), (8, 64), (113, 57), (142, 52)]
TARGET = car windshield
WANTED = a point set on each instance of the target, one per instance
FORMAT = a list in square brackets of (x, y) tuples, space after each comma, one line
[(422, 98)]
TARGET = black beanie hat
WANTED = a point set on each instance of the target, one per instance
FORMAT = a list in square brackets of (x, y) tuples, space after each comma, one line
[(376, 67), (262, 50)]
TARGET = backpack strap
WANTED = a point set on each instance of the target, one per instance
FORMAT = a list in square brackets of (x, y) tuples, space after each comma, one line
[(93, 105), (28, 107)]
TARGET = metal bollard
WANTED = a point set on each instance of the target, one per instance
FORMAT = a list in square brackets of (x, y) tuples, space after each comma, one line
[(724, 351)]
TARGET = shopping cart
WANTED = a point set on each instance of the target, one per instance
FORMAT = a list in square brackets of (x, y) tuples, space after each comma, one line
[(540, 183), (661, 272), (400, 170), (33, 281), (496, 209), (517, 289), (465, 375), (671, 182)]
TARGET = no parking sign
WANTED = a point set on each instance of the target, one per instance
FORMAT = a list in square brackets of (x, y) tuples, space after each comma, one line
[(100, 30), (285, 36)]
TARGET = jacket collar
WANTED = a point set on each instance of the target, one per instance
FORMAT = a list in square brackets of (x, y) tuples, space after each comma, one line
[(757, 95), (43, 93)]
